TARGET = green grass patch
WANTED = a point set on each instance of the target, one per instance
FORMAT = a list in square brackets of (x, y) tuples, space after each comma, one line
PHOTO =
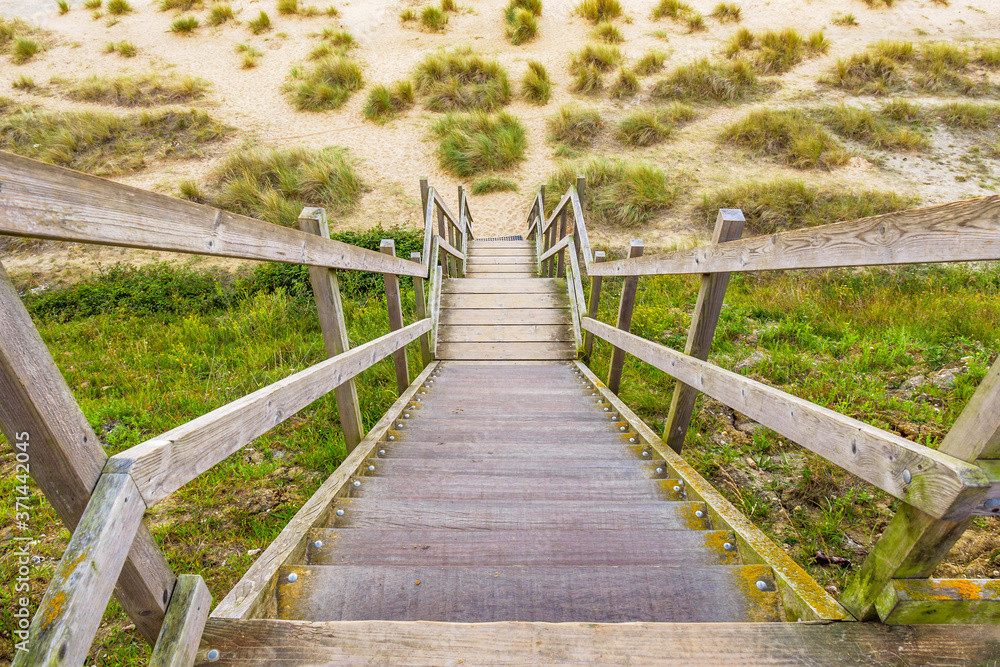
[(328, 84), (536, 87), (969, 115), (185, 25), (461, 80), (846, 20), (787, 135), (433, 18), (250, 55), (775, 51), (651, 62), (124, 48), (105, 144), (144, 90), (780, 204), (597, 11), (602, 56), (625, 84), (119, 7), (872, 129), (260, 24), (674, 9), (63, 6), (607, 32), (472, 143), (385, 103), (728, 12), (645, 127), (21, 40), (575, 126), (220, 13), (711, 81), (521, 17), (489, 184), (620, 193), (179, 5), (23, 82)]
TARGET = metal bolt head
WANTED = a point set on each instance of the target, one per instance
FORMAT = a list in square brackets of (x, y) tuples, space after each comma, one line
[(699, 514), (677, 489), (340, 512), (728, 546), (992, 504), (292, 578), (381, 452), (318, 544), (761, 585), (907, 476), (631, 439), (213, 655), (392, 437), (356, 484), (645, 453), (659, 470), (399, 424), (622, 428), (607, 409), (371, 468), (406, 415)]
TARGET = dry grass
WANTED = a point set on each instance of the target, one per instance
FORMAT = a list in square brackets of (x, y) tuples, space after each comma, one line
[(490, 184), (326, 85), (386, 103), (433, 18), (185, 25), (178, 5), (220, 13), (710, 81), (124, 48), (536, 87), (787, 135), (597, 11), (473, 143), (775, 52), (144, 90), (262, 23), (626, 84), (21, 40), (574, 126), (728, 12), (521, 17), (872, 129), (651, 62), (461, 80), (607, 33), (250, 56), (646, 127)]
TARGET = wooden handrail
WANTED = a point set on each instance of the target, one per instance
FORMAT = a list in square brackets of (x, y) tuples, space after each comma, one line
[(965, 231), (167, 462), (556, 248), (938, 484), (39, 200), (447, 247)]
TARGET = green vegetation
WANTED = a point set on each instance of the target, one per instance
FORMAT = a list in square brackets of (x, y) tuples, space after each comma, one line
[(620, 193), (288, 7), (25, 48), (788, 135), (626, 84), (674, 9), (260, 24), (846, 20), (651, 62), (536, 87), (469, 144), (461, 80), (695, 22), (220, 13), (775, 52), (63, 7), (327, 85), (710, 81), (124, 48), (105, 144), (433, 18), (597, 11), (20, 39), (119, 7), (407, 15), (646, 127), (489, 184), (774, 206), (594, 59), (185, 25), (251, 56), (333, 42), (575, 127), (872, 129), (23, 82), (727, 12), (607, 32), (386, 103), (589, 80), (93, 4), (143, 90), (521, 17), (970, 116), (179, 5)]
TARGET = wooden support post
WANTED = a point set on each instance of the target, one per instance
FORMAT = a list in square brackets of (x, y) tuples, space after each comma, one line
[(625, 307), (330, 308), (561, 270), (914, 543), (581, 190), (187, 613), (728, 227), (421, 308), (395, 305), (464, 224), (67, 619), (424, 190), (544, 236), (592, 306), (443, 233), (39, 416)]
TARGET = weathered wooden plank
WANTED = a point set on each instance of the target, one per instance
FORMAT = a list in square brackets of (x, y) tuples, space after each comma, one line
[(40, 418), (569, 448), (574, 287), (593, 304), (167, 462), (506, 351), (909, 601), (476, 245), (450, 249), (484, 251), (394, 304), (43, 201), (183, 624), (513, 268), (479, 261), (253, 595), (491, 275), (549, 594), (269, 642), (803, 597), (728, 227), (558, 548), (70, 611), (484, 487), (625, 307), (516, 301), (330, 309), (437, 278), (936, 483), (514, 285), (559, 246), (538, 431), (579, 224), (964, 231), (914, 543), (509, 333), (420, 307), (398, 464)]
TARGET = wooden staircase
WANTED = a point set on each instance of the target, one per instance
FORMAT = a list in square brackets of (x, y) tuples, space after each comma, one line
[(513, 492)]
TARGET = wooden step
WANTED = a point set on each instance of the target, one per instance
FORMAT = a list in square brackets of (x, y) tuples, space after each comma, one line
[(535, 431), (484, 250), (509, 316), (485, 333), (513, 351), (528, 267), (502, 411), (547, 594), (503, 301), (450, 548), (514, 285), (496, 275), (539, 515), (482, 261), (570, 449), (484, 487), (403, 466), (476, 245)]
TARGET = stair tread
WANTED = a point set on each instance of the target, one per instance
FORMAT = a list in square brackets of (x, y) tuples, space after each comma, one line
[(548, 594), (436, 449), (486, 487), (402, 466)]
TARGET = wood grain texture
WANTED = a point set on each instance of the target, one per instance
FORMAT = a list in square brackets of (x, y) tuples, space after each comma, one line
[(511, 450), (625, 307), (580, 229), (484, 251), (70, 612), (507, 333), (475, 245), (253, 595), (559, 246), (593, 305), (967, 601), (184, 622), (504, 301), (940, 485), (266, 643), (43, 201), (510, 316), (492, 275), (482, 487), (511, 286), (420, 308), (39, 414), (548, 594), (513, 269), (504, 548), (394, 304), (167, 462), (964, 231), (704, 319), (400, 465), (450, 249), (493, 351), (476, 260), (574, 286)]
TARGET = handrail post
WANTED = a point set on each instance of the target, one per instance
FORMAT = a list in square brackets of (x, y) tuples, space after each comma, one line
[(581, 189), (625, 307), (443, 233), (595, 301), (463, 247), (184, 623), (330, 309), (704, 319), (421, 308), (424, 190), (540, 235), (561, 270), (395, 306)]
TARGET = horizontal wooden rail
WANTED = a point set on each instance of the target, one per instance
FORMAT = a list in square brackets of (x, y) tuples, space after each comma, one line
[(447, 211), (39, 200), (167, 462), (451, 250), (556, 248), (556, 211), (965, 231), (940, 485)]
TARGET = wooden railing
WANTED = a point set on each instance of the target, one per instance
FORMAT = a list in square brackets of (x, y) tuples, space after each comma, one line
[(942, 489), (102, 500)]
